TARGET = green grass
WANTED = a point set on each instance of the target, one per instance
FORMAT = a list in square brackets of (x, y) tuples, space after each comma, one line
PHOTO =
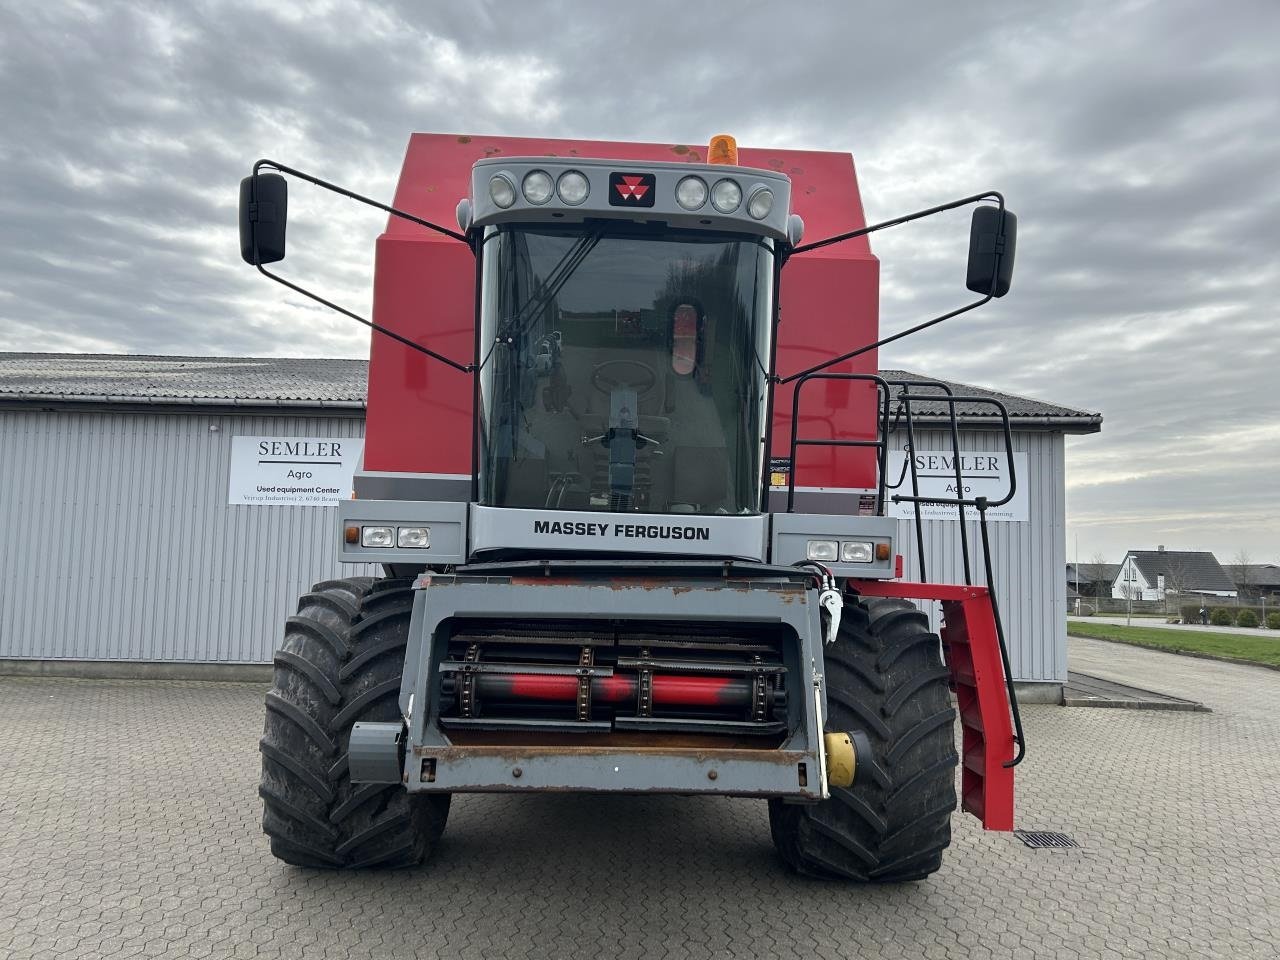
[(1263, 649)]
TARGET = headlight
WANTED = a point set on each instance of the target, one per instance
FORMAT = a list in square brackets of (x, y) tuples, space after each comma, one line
[(760, 203), (691, 192), (726, 196), (537, 186), (501, 190), (573, 187), (377, 536), (416, 537), (856, 551), (825, 551)]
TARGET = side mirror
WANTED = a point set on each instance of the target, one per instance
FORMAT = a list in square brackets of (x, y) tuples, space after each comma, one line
[(263, 208), (993, 235)]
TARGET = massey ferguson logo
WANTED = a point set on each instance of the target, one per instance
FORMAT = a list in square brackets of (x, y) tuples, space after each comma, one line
[(631, 189)]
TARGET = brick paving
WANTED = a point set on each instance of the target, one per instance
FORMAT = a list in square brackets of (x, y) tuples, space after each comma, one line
[(129, 828)]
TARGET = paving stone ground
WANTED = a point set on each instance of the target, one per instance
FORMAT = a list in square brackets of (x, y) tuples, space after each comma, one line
[(129, 828)]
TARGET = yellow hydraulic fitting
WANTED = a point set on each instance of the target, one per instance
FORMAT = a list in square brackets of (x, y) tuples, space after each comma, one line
[(842, 759)]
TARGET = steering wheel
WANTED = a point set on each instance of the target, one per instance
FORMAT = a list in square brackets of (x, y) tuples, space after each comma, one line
[(631, 374)]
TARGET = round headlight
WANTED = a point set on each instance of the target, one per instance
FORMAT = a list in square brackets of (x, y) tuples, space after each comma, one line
[(760, 203), (691, 192), (573, 187), (501, 190), (537, 186), (726, 196)]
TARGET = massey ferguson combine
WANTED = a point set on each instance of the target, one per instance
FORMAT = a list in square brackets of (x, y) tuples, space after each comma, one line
[(625, 471)]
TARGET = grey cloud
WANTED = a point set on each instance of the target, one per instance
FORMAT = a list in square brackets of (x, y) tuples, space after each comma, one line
[(1139, 143)]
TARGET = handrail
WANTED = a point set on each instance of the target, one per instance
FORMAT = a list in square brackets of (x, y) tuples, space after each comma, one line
[(881, 444)]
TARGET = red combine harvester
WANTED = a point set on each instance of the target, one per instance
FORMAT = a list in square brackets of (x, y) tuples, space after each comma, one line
[(631, 513)]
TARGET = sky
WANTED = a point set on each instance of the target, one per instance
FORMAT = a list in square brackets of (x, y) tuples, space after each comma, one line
[(1138, 142)]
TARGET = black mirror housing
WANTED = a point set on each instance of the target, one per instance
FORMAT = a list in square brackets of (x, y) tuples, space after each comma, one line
[(993, 234), (263, 210)]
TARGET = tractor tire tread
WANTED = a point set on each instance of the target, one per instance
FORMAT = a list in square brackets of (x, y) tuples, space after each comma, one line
[(335, 668), (884, 677)]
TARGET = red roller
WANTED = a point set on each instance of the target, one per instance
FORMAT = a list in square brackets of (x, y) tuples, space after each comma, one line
[(669, 690)]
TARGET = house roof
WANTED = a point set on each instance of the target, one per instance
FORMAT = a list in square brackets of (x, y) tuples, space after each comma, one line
[(62, 378), (1023, 411), (1182, 569)]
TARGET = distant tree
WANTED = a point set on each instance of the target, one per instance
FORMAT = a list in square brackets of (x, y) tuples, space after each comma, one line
[(1130, 588), (1097, 583), (1177, 577), (1240, 569)]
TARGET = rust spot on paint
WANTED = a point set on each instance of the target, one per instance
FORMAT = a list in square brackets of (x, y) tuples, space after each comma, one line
[(775, 163), (695, 156), (464, 139), (797, 171), (680, 148), (490, 151), (810, 190)]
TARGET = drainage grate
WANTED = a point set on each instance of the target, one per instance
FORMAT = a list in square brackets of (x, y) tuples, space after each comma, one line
[(1039, 839)]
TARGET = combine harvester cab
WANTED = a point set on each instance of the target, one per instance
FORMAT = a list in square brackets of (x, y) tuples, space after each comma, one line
[(631, 510)]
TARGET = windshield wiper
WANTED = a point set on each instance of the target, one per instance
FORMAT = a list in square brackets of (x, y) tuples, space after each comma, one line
[(559, 276)]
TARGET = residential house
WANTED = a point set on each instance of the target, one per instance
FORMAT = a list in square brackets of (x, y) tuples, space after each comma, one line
[(1151, 574)]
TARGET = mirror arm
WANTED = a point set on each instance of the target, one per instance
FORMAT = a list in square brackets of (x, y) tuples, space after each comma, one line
[(271, 164), (840, 238), (460, 367), (880, 343)]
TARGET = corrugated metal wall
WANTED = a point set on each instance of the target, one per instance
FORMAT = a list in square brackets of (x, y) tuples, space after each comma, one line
[(1029, 559), (118, 542)]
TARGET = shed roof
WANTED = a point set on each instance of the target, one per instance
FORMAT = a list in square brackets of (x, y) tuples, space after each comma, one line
[(1091, 572), (1254, 574), (125, 379)]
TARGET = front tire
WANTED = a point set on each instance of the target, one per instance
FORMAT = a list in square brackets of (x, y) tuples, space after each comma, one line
[(341, 662), (884, 677)]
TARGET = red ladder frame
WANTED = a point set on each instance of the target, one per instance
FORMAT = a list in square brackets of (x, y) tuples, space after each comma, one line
[(972, 649)]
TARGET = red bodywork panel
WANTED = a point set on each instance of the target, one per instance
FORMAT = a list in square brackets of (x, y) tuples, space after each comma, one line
[(977, 672), (419, 415)]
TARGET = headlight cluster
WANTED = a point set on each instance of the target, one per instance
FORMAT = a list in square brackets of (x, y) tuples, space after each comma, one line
[(538, 188), (418, 538), (836, 551), (725, 196), (573, 188)]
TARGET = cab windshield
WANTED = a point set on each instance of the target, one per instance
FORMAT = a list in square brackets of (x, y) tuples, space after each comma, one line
[(623, 370)]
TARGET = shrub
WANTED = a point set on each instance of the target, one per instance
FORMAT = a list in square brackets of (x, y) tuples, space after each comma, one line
[(1247, 618), (1273, 621), (1221, 617)]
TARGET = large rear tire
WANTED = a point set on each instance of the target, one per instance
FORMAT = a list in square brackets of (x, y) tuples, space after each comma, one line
[(341, 662), (884, 677)]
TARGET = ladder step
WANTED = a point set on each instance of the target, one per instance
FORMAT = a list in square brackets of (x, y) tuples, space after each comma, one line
[(975, 760), (975, 802), (971, 717)]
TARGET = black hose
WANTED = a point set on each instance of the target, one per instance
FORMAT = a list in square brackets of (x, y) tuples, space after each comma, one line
[(1018, 737)]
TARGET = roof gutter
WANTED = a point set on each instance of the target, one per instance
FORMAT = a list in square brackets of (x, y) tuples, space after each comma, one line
[(1091, 424), (185, 404)]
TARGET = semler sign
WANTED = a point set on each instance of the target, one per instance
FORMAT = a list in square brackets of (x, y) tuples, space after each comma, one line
[(983, 474), (292, 471)]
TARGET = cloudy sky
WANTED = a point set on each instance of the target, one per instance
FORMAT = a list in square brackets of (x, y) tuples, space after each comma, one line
[(1139, 143)]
